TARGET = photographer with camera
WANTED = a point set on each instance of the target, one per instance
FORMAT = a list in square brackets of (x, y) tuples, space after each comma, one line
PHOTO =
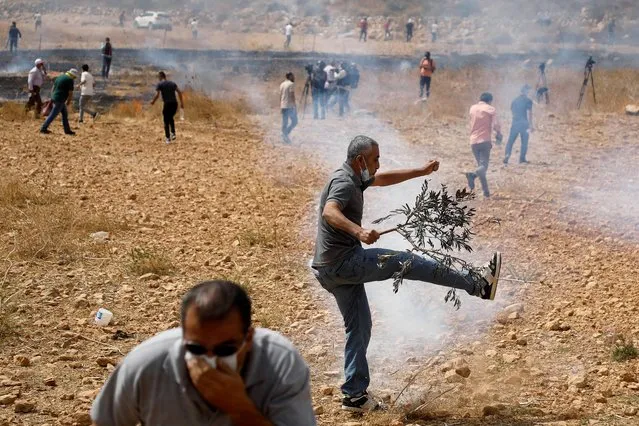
[(347, 79), (317, 76)]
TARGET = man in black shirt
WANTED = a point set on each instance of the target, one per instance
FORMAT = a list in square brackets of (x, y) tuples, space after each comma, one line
[(522, 124), (167, 89), (14, 35)]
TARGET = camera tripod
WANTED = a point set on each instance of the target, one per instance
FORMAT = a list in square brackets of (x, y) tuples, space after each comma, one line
[(587, 77), (305, 92)]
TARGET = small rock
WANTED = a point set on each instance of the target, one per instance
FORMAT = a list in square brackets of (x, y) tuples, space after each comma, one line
[(352, 424), (463, 371), (632, 109), (149, 277), (8, 399), (522, 342), (318, 410), (82, 418), (601, 399), (516, 307), (327, 390), (514, 316), (630, 411), (490, 353), (22, 360), (579, 381), (492, 410), (628, 377), (103, 362), (452, 377), (100, 237), (557, 325), (510, 358), (24, 406), (50, 382), (512, 335)]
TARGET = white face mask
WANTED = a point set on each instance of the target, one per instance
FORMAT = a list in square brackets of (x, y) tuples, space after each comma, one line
[(230, 361), (365, 175)]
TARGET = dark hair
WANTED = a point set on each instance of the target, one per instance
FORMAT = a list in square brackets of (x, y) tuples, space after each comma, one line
[(108, 39), (358, 145), (85, 67), (486, 97), (162, 74), (427, 55), (289, 75), (215, 299)]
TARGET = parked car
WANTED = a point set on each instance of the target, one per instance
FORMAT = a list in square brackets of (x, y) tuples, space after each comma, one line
[(153, 21)]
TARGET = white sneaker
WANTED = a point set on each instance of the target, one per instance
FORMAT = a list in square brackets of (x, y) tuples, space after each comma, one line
[(167, 141), (490, 277)]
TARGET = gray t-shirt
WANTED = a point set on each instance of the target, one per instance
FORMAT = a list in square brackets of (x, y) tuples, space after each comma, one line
[(346, 189), (151, 386)]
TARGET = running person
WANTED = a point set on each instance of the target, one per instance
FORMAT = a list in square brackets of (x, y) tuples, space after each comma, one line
[(168, 89)]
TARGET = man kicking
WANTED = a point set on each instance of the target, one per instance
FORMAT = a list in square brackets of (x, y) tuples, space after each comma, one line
[(342, 266)]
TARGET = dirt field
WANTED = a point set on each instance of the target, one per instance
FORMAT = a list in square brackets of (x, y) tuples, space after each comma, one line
[(228, 200)]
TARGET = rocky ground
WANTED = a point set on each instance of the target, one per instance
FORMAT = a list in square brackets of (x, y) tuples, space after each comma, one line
[(228, 200)]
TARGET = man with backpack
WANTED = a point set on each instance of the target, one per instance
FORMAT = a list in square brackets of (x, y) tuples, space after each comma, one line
[(318, 91), (426, 69)]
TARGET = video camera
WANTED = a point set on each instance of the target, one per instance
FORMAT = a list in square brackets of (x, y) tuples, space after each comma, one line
[(309, 69)]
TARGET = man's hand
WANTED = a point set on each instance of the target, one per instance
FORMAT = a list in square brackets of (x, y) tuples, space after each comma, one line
[(221, 387), (368, 236), (499, 138), (431, 166)]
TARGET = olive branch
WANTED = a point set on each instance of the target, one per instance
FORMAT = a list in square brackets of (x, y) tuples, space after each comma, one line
[(437, 226)]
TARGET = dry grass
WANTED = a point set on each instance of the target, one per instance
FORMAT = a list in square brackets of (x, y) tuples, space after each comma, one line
[(454, 91), (145, 261), (7, 312), (198, 107), (40, 224), (13, 111)]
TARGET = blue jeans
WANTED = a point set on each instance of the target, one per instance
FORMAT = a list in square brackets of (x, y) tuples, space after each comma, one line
[(521, 130), (13, 45), (58, 107), (319, 103), (288, 114), (481, 151), (345, 280)]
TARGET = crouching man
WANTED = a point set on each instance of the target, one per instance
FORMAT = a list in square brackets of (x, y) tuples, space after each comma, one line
[(215, 370)]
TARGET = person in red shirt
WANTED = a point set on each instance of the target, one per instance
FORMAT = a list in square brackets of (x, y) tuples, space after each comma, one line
[(483, 120), (387, 29), (363, 29)]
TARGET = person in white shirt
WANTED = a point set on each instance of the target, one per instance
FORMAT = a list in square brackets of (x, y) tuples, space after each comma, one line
[(86, 93), (288, 31), (331, 83), (35, 82), (288, 106), (37, 18), (433, 30), (194, 28)]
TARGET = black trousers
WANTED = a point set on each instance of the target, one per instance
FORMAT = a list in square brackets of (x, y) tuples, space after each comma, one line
[(424, 82), (168, 112)]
